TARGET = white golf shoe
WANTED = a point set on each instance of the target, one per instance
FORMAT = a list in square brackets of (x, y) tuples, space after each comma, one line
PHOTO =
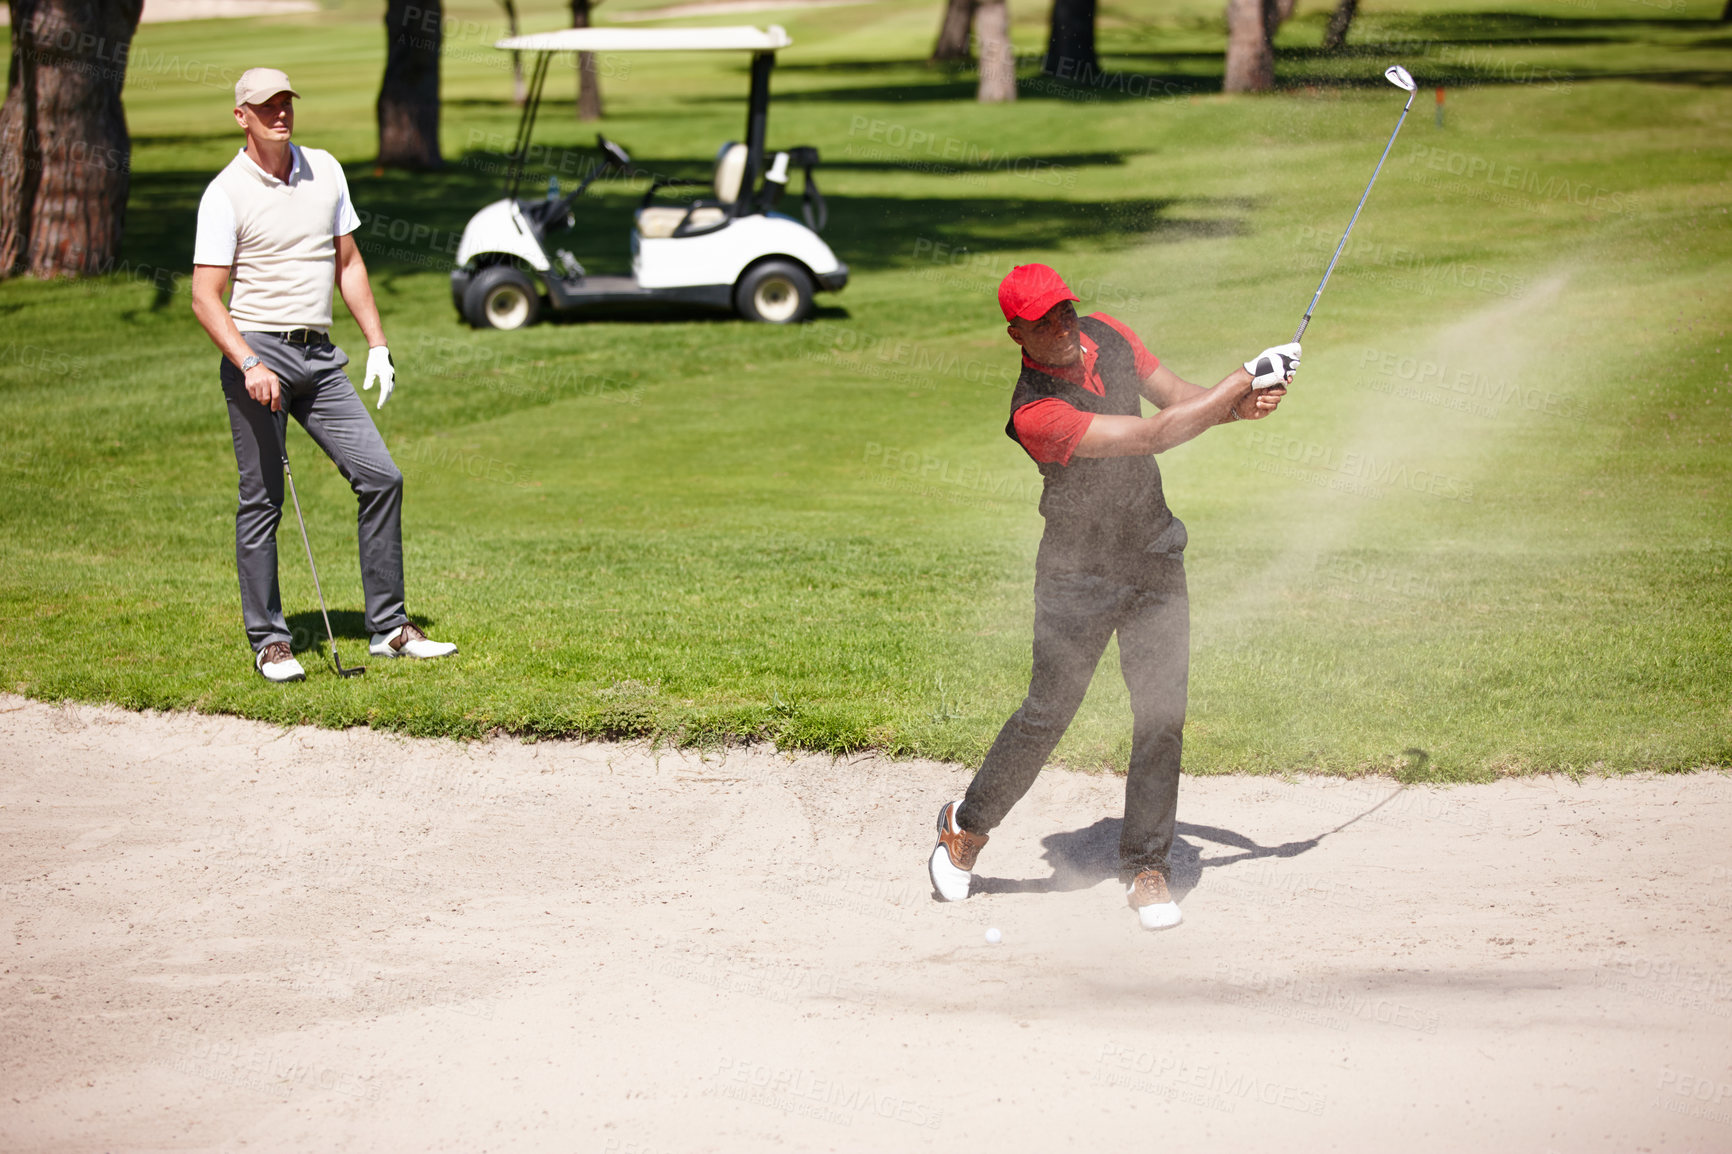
[(275, 662), (1154, 904), (408, 641), (952, 861)]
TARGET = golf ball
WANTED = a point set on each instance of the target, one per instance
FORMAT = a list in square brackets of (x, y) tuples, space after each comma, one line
[(994, 936)]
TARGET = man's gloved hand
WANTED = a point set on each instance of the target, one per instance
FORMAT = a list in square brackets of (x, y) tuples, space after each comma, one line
[(1274, 368), (380, 368)]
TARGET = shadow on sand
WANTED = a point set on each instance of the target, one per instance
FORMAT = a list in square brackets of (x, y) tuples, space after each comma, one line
[(1083, 858)]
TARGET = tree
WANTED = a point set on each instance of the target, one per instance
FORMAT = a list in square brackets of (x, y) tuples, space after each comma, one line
[(518, 92), (952, 45), (588, 83), (65, 155), (1335, 36), (1070, 45), (408, 107), (1251, 26), (997, 57), (1250, 58)]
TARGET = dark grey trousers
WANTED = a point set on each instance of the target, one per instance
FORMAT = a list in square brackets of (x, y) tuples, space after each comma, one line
[(1074, 615), (318, 394)]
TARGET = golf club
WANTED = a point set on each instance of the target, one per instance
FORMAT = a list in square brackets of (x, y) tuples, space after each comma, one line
[(287, 472), (1398, 76)]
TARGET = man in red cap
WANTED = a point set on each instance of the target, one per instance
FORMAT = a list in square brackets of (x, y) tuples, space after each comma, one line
[(1110, 561)]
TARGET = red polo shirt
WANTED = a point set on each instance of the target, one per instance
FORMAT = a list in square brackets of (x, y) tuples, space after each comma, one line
[(1050, 428)]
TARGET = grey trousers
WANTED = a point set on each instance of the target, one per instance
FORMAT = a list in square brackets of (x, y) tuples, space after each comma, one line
[(1074, 615), (318, 394)]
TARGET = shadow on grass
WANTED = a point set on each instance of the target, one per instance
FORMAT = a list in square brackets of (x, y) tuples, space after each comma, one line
[(961, 86), (307, 632), (412, 222), (1526, 29), (1167, 76)]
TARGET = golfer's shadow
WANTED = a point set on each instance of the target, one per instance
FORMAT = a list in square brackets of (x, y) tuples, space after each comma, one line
[(1081, 858), (307, 630)]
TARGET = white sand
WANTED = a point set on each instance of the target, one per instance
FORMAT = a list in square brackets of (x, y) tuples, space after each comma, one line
[(220, 935)]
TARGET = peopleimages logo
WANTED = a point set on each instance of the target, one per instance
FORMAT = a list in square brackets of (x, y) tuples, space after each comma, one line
[(1365, 469), (1470, 383), (957, 266), (794, 1090), (953, 150), (1528, 181)]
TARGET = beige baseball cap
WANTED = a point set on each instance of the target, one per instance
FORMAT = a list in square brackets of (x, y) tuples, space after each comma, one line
[(258, 85)]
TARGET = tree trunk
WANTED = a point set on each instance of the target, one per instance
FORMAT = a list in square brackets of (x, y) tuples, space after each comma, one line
[(1335, 36), (997, 57), (408, 107), (518, 93), (65, 156), (952, 46), (1250, 59), (1070, 47), (588, 81)]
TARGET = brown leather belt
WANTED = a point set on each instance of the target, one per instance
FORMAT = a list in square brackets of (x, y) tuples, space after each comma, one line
[(303, 337)]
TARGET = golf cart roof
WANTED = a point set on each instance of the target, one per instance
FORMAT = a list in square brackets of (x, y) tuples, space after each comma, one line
[(733, 39)]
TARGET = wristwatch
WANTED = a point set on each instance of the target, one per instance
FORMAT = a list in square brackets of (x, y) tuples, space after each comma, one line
[(249, 363)]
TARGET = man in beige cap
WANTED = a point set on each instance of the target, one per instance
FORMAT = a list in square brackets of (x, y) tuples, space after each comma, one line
[(278, 220)]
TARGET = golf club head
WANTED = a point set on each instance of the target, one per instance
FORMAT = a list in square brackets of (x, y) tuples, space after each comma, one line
[(1398, 76), (355, 672)]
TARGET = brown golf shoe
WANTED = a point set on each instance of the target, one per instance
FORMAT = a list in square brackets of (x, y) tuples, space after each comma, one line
[(952, 862), (1149, 896), (407, 640), (276, 662)]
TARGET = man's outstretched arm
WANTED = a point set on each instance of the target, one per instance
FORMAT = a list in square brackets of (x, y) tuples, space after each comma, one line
[(1189, 410)]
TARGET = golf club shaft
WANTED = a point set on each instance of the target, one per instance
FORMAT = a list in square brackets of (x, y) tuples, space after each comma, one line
[(1312, 307), (296, 497)]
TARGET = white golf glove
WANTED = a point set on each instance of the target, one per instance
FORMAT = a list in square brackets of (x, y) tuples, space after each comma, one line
[(1274, 368), (380, 368)]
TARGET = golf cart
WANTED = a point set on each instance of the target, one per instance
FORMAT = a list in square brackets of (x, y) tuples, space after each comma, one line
[(729, 251)]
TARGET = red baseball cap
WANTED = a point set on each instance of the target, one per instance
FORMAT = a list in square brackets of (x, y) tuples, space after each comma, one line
[(1030, 290)]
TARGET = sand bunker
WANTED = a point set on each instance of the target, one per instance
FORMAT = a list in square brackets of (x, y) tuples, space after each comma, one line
[(221, 934)]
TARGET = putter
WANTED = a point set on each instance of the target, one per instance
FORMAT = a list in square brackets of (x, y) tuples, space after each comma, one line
[(289, 473), (1398, 76)]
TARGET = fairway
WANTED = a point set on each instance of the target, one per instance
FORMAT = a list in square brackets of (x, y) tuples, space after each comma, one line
[(1487, 534)]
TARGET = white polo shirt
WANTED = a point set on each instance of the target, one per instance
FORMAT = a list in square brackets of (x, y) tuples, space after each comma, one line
[(278, 238)]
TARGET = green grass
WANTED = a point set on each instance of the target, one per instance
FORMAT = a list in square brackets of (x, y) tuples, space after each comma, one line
[(1487, 534)]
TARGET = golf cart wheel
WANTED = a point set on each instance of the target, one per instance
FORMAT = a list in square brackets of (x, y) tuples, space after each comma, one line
[(501, 297), (777, 292)]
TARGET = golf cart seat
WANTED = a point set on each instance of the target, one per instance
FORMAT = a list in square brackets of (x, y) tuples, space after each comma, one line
[(657, 221)]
